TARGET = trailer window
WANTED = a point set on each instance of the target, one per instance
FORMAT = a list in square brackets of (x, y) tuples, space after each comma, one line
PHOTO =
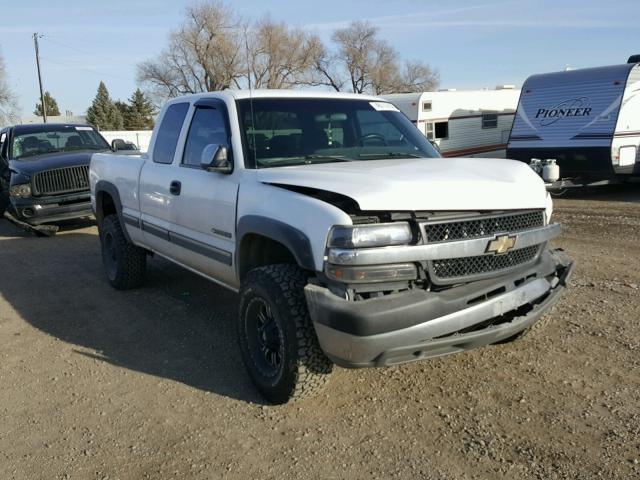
[(442, 129), (426, 106), (429, 131), (489, 120)]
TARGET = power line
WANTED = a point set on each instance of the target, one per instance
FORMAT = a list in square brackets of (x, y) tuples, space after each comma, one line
[(95, 72), (89, 54)]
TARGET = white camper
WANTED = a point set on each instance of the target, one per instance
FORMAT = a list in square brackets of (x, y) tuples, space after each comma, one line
[(587, 121), (470, 123)]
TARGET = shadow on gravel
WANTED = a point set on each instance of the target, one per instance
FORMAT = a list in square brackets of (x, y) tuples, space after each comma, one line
[(607, 193), (178, 326)]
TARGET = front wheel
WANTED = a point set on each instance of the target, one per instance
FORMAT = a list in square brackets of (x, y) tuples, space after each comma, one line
[(4, 196), (276, 336)]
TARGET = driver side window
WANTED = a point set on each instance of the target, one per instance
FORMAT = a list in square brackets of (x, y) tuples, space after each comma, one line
[(207, 127), (377, 131)]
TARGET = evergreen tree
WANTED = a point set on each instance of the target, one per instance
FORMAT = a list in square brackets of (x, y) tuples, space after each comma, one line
[(125, 111), (102, 113), (52, 106), (141, 112)]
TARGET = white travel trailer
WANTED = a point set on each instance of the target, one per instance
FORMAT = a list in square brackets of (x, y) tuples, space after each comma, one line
[(587, 120), (470, 123)]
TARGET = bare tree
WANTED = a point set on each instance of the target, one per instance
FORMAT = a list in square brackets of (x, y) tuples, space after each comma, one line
[(205, 54), (8, 105), (365, 63), (280, 57), (417, 77), (216, 49), (326, 68)]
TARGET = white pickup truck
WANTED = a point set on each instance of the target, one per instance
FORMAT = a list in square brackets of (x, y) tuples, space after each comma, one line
[(349, 240)]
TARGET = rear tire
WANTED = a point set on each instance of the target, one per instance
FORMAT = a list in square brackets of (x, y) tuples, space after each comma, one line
[(276, 336), (124, 263)]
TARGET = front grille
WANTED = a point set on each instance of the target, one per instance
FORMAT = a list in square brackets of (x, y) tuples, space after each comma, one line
[(61, 180), (483, 226), (456, 268)]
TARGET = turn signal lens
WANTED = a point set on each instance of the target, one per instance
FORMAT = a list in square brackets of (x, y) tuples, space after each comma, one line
[(372, 274)]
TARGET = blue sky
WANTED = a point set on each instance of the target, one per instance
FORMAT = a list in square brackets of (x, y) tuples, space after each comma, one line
[(473, 44)]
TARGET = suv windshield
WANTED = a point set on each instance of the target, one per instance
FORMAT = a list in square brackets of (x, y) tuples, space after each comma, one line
[(298, 131), (54, 138)]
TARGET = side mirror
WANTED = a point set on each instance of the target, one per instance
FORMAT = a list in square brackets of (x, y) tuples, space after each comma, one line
[(117, 144), (215, 158)]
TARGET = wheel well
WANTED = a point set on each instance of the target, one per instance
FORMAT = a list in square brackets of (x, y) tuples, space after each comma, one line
[(258, 251), (105, 206)]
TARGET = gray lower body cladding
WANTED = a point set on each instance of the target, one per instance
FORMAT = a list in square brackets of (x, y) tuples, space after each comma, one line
[(416, 325)]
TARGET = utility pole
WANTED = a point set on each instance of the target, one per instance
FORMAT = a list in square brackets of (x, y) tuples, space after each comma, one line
[(44, 105)]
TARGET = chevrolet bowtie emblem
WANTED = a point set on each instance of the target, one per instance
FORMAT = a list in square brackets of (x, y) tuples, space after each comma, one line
[(501, 244)]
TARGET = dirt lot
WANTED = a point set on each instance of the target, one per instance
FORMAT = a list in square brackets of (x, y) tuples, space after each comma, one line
[(98, 384)]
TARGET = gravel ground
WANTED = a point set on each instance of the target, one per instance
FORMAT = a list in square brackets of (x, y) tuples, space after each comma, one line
[(99, 384)]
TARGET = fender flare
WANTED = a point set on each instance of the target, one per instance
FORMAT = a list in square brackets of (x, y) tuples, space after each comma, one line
[(292, 238), (112, 190)]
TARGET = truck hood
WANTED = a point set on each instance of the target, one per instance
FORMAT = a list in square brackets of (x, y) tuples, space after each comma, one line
[(39, 163), (433, 184)]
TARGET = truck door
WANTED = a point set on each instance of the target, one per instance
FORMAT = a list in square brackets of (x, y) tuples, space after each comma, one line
[(203, 213), (156, 177)]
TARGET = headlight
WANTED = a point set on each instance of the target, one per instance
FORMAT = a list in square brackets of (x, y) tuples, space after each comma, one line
[(376, 235), (22, 190), (548, 210)]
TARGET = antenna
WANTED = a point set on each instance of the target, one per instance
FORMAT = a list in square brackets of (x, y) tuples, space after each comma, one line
[(253, 123)]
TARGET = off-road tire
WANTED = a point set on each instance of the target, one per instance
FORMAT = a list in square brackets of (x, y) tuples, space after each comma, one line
[(304, 369), (124, 263)]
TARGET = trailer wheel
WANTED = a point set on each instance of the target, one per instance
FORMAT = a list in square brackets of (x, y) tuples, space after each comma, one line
[(276, 336), (124, 263)]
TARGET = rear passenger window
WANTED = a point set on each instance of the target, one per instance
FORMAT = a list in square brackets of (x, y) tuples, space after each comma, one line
[(207, 127), (168, 133)]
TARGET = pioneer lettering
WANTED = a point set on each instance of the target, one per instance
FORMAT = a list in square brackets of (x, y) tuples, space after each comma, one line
[(563, 112)]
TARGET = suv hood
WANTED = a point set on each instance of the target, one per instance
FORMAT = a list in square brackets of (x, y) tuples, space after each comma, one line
[(433, 184), (39, 163)]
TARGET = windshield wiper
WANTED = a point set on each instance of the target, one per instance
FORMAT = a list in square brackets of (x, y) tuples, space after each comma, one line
[(391, 155), (332, 158), (304, 160)]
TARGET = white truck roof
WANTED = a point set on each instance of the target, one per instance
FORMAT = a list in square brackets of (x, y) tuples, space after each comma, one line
[(274, 93)]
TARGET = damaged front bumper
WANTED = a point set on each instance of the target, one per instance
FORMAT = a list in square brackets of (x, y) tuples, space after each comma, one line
[(39, 210), (411, 326)]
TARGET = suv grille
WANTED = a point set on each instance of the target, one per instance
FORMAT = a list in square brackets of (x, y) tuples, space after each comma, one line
[(61, 180), (456, 268), (483, 226)]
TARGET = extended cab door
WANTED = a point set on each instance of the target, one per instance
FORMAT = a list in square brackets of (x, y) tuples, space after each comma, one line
[(156, 177), (203, 213)]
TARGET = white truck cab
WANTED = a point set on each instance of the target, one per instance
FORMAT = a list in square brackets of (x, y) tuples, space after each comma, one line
[(348, 238)]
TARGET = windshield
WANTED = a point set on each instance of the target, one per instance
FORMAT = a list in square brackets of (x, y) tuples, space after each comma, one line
[(298, 131), (54, 138)]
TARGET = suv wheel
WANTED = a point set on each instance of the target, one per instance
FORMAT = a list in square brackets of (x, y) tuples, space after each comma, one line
[(277, 340), (124, 263)]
